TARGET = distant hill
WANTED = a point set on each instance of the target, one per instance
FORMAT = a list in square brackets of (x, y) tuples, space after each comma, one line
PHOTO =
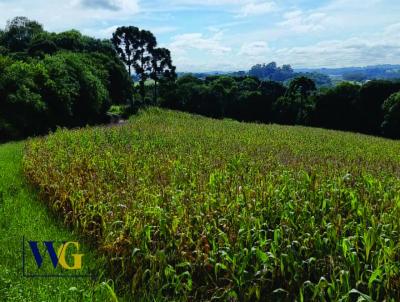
[(359, 74)]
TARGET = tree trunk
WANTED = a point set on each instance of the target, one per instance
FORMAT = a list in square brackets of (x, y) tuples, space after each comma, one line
[(155, 93), (142, 83), (142, 90), (132, 102)]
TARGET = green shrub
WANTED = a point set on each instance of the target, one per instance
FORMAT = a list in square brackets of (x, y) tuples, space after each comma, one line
[(22, 105), (391, 109)]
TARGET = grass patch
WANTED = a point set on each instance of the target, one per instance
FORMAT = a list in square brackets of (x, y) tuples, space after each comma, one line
[(22, 214), (190, 208)]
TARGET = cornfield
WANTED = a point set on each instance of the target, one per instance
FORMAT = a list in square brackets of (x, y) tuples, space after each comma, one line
[(187, 208)]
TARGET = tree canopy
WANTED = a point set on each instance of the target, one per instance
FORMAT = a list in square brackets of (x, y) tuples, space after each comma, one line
[(391, 111), (49, 80), (138, 49)]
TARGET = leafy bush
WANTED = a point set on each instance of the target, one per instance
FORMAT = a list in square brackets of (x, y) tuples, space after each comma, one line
[(369, 105), (66, 89), (391, 109), (22, 106), (336, 108)]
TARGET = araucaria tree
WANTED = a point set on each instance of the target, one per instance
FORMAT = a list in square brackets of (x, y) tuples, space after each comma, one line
[(125, 40), (146, 44), (161, 68), (138, 49)]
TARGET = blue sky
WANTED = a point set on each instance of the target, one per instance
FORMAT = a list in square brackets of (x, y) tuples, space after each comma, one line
[(206, 35)]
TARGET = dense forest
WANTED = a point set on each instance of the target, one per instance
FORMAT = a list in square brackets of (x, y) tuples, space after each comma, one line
[(50, 80)]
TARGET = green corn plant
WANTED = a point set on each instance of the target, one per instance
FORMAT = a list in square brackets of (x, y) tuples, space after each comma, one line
[(187, 208)]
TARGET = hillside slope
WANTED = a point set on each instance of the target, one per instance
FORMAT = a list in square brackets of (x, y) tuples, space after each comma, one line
[(190, 208)]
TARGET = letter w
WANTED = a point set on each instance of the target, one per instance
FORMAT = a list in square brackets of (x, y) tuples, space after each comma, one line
[(38, 256)]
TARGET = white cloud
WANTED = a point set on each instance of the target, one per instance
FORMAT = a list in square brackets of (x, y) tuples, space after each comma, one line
[(57, 15), (237, 8), (100, 4), (113, 5), (254, 49), (199, 52), (370, 50), (210, 45), (104, 33), (209, 2), (392, 30), (380, 47), (257, 8), (300, 22), (158, 30)]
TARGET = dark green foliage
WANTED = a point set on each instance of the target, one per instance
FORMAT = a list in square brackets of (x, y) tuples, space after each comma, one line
[(391, 110), (168, 94), (125, 43), (320, 80), (272, 72), (192, 95), (19, 33), (242, 98), (63, 91), (252, 102), (119, 83), (222, 95), (336, 109), (86, 82), (49, 80), (369, 105), (295, 106), (40, 48), (138, 49), (347, 106), (286, 110), (22, 108), (302, 87), (69, 40), (161, 68), (66, 89), (270, 91)]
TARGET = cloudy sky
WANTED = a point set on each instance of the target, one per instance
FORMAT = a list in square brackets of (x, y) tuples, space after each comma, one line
[(206, 35)]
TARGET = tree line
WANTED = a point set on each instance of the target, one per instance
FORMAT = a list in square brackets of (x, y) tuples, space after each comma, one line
[(371, 108), (66, 79)]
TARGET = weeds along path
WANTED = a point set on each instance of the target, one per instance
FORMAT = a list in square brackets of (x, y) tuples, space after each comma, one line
[(21, 214)]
